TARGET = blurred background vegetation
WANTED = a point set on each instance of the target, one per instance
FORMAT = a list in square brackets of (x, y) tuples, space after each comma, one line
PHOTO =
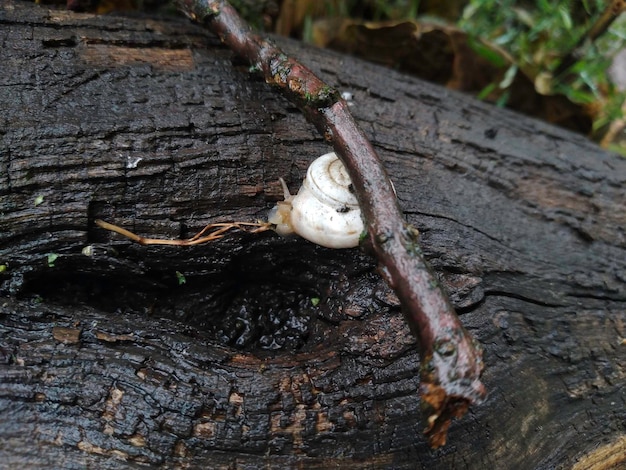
[(563, 61)]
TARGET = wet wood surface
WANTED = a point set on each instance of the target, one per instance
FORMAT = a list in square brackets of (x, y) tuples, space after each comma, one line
[(274, 351)]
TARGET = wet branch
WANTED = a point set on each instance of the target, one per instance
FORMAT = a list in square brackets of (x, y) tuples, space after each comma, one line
[(451, 359)]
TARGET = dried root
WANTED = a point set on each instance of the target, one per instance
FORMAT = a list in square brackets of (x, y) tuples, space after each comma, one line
[(208, 234)]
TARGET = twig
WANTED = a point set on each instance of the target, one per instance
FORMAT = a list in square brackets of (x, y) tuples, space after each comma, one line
[(217, 231), (451, 359)]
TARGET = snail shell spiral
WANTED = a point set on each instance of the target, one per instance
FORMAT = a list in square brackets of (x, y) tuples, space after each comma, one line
[(325, 210)]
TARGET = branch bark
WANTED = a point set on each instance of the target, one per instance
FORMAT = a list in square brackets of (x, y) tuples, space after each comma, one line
[(451, 359)]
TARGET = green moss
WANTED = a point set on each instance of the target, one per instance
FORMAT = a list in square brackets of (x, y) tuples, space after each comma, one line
[(51, 258)]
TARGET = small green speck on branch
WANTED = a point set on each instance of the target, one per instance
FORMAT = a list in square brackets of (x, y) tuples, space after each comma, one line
[(38, 200), (181, 278), (315, 301)]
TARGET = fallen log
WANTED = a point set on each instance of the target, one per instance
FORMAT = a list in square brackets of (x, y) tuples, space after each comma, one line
[(258, 350)]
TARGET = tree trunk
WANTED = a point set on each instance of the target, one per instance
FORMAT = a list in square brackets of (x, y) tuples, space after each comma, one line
[(257, 350)]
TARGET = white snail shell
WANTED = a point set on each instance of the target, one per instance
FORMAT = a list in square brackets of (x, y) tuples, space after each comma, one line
[(325, 210)]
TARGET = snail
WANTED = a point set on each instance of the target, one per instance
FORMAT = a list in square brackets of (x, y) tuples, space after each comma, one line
[(325, 210)]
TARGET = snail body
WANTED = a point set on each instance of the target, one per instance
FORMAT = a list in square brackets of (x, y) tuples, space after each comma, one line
[(325, 210)]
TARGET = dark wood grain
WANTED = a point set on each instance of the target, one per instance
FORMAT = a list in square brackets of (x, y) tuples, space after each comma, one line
[(523, 222)]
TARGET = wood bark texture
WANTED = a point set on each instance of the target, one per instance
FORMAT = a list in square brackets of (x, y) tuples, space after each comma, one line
[(275, 352), (451, 360)]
